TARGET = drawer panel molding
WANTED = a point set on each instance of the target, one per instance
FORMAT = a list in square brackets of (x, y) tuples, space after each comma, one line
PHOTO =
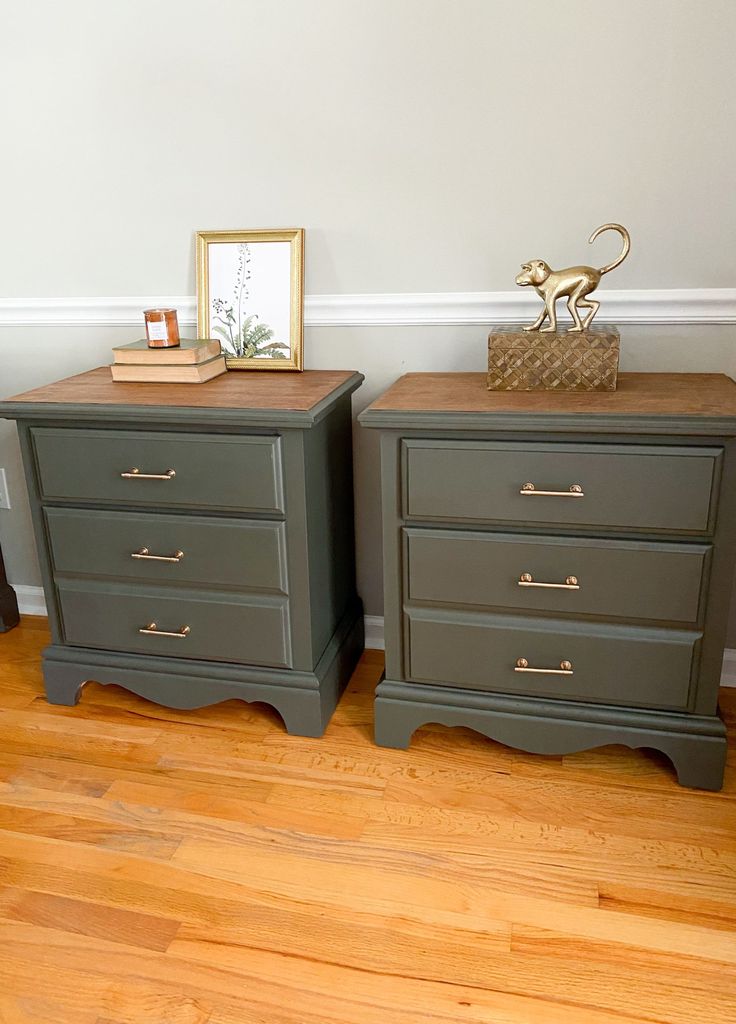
[(612, 665), (162, 470), (179, 549), (644, 488), (628, 580), (193, 625)]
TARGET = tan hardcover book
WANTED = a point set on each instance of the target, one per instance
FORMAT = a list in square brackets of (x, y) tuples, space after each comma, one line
[(195, 373), (190, 350)]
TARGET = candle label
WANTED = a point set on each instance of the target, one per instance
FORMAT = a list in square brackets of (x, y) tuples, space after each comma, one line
[(157, 331)]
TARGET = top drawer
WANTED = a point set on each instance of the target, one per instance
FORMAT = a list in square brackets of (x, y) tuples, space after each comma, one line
[(161, 469), (626, 487)]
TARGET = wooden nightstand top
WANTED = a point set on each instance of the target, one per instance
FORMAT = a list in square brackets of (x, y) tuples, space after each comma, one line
[(296, 399), (695, 402)]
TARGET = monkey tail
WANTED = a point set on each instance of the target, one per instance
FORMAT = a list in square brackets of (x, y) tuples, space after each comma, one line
[(624, 251)]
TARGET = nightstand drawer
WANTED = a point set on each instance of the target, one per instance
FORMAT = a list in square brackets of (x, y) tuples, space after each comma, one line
[(169, 549), (626, 487), (199, 625), (573, 576), (160, 469), (611, 665)]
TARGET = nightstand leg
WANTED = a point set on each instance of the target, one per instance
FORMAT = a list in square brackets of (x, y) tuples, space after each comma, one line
[(304, 715), (699, 764), (394, 724), (62, 684)]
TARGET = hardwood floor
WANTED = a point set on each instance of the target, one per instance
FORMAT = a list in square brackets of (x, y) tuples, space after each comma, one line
[(164, 867)]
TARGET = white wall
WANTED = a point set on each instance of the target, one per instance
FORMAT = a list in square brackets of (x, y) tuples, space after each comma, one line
[(426, 146)]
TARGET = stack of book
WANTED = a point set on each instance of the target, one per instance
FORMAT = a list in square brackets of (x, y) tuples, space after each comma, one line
[(191, 362)]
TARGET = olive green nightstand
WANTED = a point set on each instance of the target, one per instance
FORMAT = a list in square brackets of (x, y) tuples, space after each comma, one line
[(558, 567), (196, 541)]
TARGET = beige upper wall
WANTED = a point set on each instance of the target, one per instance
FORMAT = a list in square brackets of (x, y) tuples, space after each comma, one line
[(426, 145)]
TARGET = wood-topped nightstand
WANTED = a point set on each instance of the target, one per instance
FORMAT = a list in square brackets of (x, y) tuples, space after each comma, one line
[(196, 541), (558, 567)]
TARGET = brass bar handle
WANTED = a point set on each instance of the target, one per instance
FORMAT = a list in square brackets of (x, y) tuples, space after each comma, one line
[(527, 580), (565, 669), (574, 491), (144, 553), (152, 630), (135, 474)]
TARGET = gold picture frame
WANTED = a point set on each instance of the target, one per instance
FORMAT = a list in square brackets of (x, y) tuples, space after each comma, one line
[(250, 299)]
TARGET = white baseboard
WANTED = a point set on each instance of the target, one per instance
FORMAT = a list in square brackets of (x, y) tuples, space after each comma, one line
[(30, 599), (393, 309), (728, 672), (31, 602), (374, 632)]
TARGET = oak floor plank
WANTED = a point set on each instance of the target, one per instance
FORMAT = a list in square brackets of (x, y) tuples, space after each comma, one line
[(29, 1008), (190, 810), (245, 765), (675, 813), (57, 719), (175, 813), (172, 867), (656, 877), (74, 972), (79, 829), (71, 915), (251, 986), (84, 774), (399, 888), (342, 935)]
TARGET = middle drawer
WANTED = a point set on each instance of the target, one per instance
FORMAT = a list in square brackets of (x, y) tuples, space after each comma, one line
[(165, 549), (575, 576)]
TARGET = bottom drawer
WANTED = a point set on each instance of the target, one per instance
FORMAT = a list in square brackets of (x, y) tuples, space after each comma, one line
[(610, 665), (237, 629)]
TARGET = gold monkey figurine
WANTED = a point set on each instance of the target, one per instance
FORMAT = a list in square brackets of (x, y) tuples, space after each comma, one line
[(575, 282)]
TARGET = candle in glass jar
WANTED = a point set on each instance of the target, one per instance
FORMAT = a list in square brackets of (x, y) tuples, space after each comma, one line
[(162, 328)]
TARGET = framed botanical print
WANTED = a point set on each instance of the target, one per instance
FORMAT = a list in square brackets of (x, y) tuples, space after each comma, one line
[(250, 288)]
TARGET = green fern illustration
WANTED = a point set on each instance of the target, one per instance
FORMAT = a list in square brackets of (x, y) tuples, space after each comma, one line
[(256, 340)]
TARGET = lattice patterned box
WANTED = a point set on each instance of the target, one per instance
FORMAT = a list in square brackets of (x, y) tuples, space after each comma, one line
[(537, 361)]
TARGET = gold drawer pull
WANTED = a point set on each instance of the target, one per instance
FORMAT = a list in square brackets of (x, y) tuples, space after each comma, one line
[(144, 553), (574, 491), (565, 669), (527, 580), (135, 474), (152, 630)]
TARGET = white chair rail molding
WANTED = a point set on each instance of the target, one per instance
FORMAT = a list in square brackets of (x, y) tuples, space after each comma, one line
[(632, 306)]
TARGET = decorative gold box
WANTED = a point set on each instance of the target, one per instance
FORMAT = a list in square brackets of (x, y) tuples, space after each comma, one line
[(553, 361)]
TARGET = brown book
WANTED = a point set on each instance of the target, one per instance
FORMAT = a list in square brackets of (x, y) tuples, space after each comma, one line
[(196, 373), (190, 350)]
